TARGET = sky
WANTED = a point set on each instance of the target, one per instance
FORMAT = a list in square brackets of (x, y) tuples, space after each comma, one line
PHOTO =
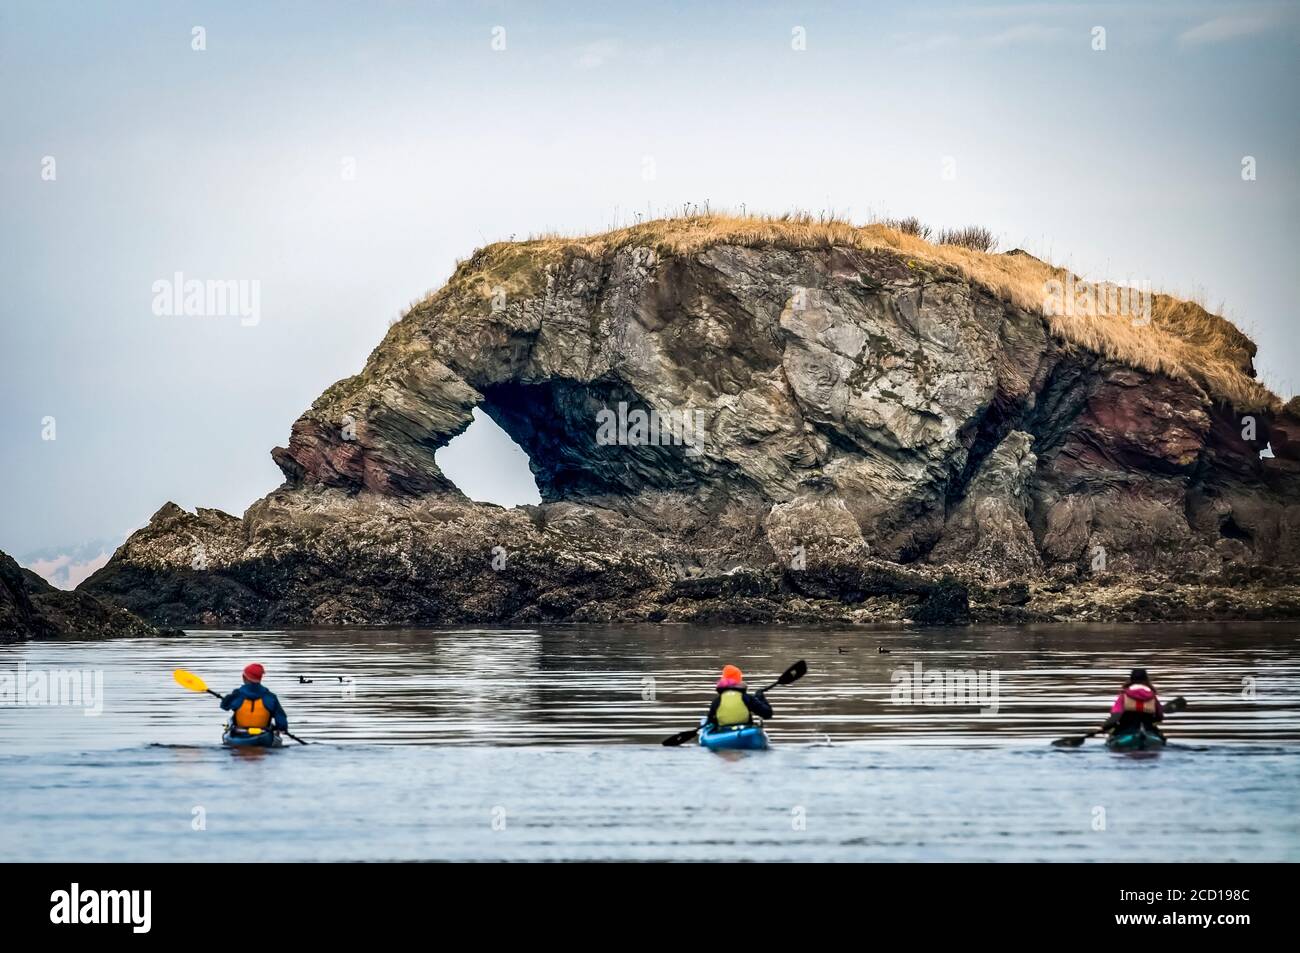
[(335, 160)]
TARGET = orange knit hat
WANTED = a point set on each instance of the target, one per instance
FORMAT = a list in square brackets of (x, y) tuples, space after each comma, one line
[(730, 676)]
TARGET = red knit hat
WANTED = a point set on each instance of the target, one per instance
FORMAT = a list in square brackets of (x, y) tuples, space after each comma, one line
[(254, 672)]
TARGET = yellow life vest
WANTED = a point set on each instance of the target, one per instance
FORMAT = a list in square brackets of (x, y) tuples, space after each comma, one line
[(252, 714), (732, 709)]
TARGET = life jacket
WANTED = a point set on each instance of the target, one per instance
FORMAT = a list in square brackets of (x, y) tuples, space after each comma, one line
[(732, 709), (252, 714), (1140, 699)]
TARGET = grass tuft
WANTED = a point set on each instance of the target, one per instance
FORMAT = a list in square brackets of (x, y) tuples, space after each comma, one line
[(909, 226), (974, 237)]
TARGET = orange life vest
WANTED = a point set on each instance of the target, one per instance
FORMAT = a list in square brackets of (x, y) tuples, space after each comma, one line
[(252, 714)]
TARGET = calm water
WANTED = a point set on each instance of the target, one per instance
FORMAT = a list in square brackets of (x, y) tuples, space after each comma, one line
[(543, 744)]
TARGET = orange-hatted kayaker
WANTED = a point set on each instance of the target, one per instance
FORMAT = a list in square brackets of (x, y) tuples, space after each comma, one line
[(252, 705), (1136, 705), (734, 705)]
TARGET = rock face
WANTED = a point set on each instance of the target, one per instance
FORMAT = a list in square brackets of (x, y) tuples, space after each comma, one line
[(749, 432), (30, 608)]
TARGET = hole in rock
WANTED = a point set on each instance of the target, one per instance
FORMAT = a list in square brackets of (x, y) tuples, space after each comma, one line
[(487, 466), (1229, 529), (557, 421)]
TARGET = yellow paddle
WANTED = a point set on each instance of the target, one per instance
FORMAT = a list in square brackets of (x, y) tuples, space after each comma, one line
[(195, 684), (192, 682)]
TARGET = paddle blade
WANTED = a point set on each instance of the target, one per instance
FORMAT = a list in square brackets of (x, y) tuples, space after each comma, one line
[(680, 738), (189, 680), (1178, 704), (1068, 742), (792, 674)]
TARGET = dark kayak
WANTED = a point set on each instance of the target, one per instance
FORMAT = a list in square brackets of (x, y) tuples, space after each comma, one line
[(737, 738), (1135, 739), (239, 738)]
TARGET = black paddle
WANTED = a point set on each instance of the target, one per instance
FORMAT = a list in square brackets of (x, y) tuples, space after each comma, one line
[(792, 674), (1178, 704)]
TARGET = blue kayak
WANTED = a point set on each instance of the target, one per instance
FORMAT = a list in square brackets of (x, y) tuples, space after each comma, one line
[(736, 738), (239, 738), (1140, 738)]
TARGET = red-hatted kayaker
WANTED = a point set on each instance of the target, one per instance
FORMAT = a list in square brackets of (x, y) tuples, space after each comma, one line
[(1136, 705), (734, 705), (254, 706)]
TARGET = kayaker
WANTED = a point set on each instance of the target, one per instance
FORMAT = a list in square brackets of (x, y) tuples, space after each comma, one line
[(734, 705), (1136, 705), (253, 705)]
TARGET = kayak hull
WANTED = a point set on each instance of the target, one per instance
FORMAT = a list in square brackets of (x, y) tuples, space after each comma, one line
[(1136, 739), (267, 739), (743, 738)]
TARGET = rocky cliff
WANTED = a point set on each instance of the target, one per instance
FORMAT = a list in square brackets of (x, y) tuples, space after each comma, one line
[(30, 608), (756, 420)]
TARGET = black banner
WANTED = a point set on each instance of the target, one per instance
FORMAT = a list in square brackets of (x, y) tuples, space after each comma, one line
[(1225, 904)]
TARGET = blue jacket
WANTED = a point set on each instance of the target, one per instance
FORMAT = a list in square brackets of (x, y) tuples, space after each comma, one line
[(251, 690)]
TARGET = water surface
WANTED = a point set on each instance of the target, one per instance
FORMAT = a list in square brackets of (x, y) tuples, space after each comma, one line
[(542, 744)]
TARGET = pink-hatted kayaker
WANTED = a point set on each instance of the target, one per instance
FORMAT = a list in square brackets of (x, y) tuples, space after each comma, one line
[(1136, 705)]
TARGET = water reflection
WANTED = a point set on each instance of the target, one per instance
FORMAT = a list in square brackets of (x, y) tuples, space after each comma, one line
[(618, 685)]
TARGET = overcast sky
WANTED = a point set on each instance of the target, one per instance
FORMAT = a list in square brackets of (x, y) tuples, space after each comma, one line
[(343, 156)]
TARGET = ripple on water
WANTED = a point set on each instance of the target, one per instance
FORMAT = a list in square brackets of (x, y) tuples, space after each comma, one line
[(543, 744)]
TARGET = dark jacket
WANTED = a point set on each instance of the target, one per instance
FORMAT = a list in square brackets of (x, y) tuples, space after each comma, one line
[(756, 704), (251, 690)]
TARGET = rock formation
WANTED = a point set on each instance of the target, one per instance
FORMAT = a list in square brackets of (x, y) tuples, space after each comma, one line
[(30, 608), (801, 422)]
